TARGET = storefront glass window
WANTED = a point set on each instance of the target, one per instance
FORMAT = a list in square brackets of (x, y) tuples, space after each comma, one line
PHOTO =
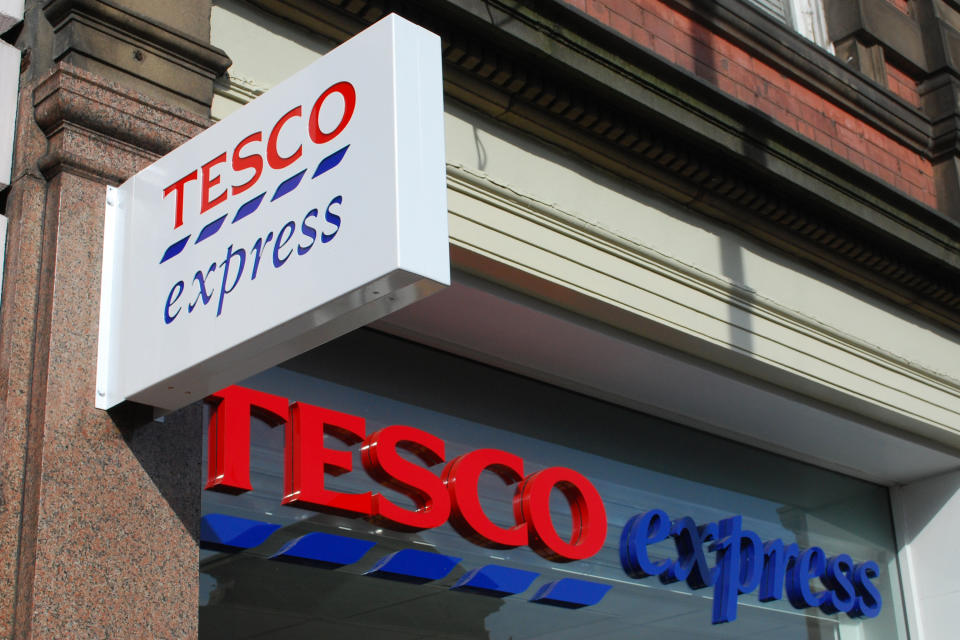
[(636, 462)]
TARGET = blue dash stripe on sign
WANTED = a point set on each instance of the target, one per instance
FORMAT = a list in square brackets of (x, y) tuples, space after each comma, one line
[(495, 580), (571, 593), (288, 185), (174, 249), (331, 161), (323, 549), (248, 207), (223, 532), (210, 229), (413, 565)]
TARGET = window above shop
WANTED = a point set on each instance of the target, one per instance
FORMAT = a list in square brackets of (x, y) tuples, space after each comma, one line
[(806, 17)]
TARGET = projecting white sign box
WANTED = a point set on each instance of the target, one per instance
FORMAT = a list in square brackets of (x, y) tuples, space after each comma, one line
[(315, 209)]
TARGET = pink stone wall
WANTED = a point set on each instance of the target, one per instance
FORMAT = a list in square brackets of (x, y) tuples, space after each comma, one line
[(903, 85), (902, 5)]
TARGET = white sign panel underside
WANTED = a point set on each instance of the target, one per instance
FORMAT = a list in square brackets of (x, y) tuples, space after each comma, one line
[(351, 229)]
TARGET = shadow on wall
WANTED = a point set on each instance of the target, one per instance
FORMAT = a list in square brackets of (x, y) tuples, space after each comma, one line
[(741, 305), (731, 253), (481, 150), (170, 452)]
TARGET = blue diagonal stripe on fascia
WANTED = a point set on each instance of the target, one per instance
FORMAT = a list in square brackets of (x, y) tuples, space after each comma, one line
[(248, 207), (174, 249), (331, 161), (288, 185), (210, 229), (571, 593)]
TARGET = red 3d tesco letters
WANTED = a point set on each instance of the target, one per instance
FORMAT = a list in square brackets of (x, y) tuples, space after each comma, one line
[(450, 495), (742, 562)]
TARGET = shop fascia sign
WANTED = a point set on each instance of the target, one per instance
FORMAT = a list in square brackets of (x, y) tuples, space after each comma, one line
[(315, 209), (742, 562)]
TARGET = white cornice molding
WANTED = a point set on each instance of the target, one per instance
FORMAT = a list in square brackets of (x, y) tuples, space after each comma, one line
[(238, 89), (638, 288)]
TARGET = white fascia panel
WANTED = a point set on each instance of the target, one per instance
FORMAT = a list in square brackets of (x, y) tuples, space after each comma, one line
[(9, 82)]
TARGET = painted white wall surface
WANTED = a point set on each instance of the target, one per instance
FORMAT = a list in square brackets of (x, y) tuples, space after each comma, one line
[(557, 179), (9, 82), (11, 12), (927, 515), (252, 72), (770, 315)]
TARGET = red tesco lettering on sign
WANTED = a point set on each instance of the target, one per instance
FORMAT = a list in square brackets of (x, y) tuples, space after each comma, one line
[(246, 158), (448, 496)]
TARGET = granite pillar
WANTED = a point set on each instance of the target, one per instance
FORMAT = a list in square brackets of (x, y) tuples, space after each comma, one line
[(98, 512)]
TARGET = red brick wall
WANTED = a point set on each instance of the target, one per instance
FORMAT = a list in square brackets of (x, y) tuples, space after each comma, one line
[(654, 24), (903, 85), (903, 5)]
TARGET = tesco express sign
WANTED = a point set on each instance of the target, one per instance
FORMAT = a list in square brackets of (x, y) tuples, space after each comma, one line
[(742, 563), (315, 209)]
